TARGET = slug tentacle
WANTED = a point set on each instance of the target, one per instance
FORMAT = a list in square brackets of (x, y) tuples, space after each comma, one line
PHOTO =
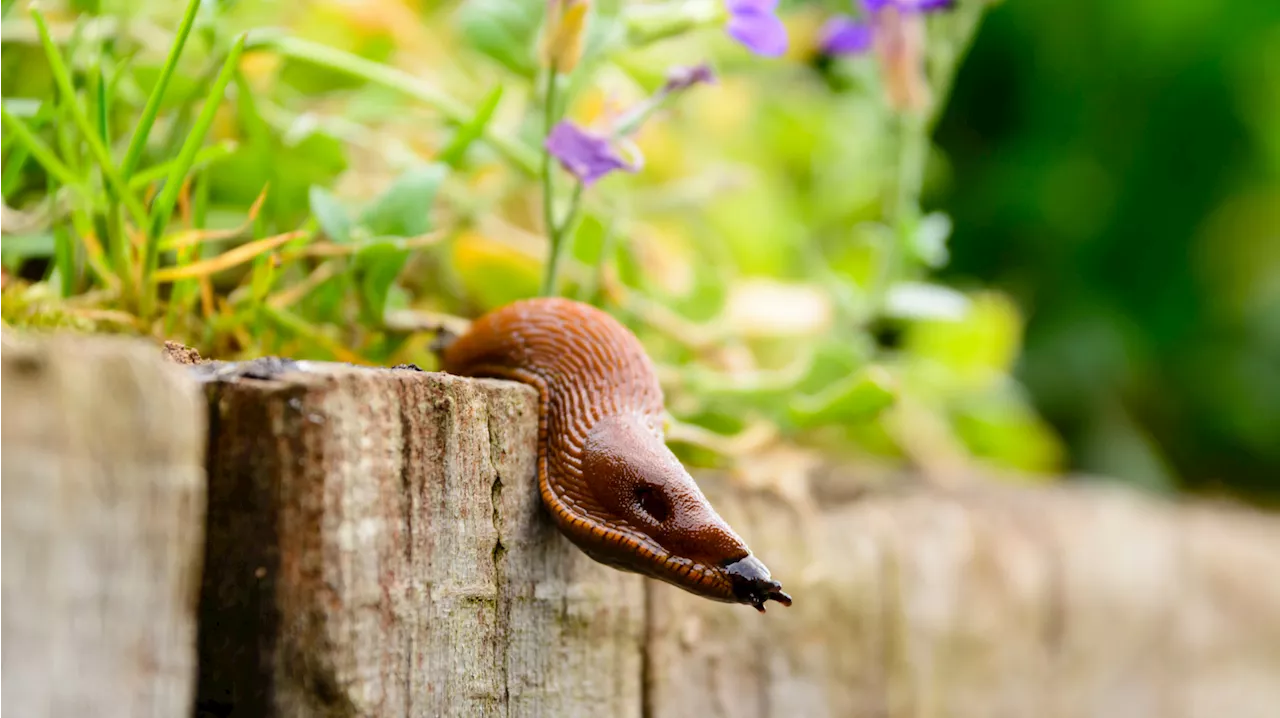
[(604, 471)]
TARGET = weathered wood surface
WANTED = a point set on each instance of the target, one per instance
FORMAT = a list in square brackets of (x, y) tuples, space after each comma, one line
[(102, 502), (985, 603), (376, 548), (408, 570)]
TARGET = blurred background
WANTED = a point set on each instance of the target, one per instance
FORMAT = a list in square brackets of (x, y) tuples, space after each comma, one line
[(1115, 167), (1071, 267)]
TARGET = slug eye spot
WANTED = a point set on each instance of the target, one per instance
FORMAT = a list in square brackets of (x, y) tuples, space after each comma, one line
[(652, 502)]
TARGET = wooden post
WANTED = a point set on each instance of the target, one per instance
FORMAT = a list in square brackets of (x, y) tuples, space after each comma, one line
[(377, 547), (103, 500)]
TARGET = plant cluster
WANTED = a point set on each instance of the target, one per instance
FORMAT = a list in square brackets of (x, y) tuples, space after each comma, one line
[(739, 181)]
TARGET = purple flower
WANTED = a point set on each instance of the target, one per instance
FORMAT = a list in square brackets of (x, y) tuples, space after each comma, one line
[(585, 155), (843, 35), (874, 6), (755, 23), (590, 156)]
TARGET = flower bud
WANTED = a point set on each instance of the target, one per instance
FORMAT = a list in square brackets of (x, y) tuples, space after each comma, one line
[(563, 34)]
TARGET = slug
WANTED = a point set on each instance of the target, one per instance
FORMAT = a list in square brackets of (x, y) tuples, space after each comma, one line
[(604, 471)]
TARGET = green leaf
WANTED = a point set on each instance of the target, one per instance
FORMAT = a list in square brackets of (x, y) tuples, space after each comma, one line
[(999, 426), (376, 267), (19, 247), (404, 210), (290, 169), (836, 357), (330, 214), (453, 154), (505, 31), (929, 240), (857, 398), (264, 277)]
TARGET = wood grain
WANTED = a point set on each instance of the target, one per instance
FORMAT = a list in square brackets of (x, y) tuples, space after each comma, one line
[(991, 602), (103, 499), (377, 547)]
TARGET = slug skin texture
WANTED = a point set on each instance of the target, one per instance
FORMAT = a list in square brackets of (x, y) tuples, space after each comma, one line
[(604, 471)]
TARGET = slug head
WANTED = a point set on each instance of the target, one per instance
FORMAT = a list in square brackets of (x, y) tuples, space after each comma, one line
[(641, 484), (752, 583)]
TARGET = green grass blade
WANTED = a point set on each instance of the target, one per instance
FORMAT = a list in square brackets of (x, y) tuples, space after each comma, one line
[(453, 154), (139, 141), (205, 157), (64, 256), (300, 327), (39, 150), (100, 85), (164, 204), (11, 177), (520, 154), (62, 79)]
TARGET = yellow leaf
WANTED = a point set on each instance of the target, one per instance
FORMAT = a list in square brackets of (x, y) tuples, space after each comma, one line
[(191, 237), (231, 258)]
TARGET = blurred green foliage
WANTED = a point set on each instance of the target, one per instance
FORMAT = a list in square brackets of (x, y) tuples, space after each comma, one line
[(370, 173), (1116, 168)]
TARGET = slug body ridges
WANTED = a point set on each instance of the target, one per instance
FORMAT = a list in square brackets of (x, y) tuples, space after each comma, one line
[(604, 471)]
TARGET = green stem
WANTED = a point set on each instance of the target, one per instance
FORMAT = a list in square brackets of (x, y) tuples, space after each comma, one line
[(592, 289), (561, 241), (117, 249), (913, 147), (903, 212), (548, 183)]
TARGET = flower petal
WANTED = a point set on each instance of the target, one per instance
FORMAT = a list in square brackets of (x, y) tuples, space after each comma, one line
[(926, 5), (584, 155), (762, 32), (907, 6), (845, 36), (751, 6)]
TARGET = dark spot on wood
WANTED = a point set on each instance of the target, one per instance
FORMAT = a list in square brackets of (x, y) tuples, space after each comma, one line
[(27, 366)]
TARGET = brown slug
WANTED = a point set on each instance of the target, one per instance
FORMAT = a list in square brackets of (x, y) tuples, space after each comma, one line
[(604, 472)]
